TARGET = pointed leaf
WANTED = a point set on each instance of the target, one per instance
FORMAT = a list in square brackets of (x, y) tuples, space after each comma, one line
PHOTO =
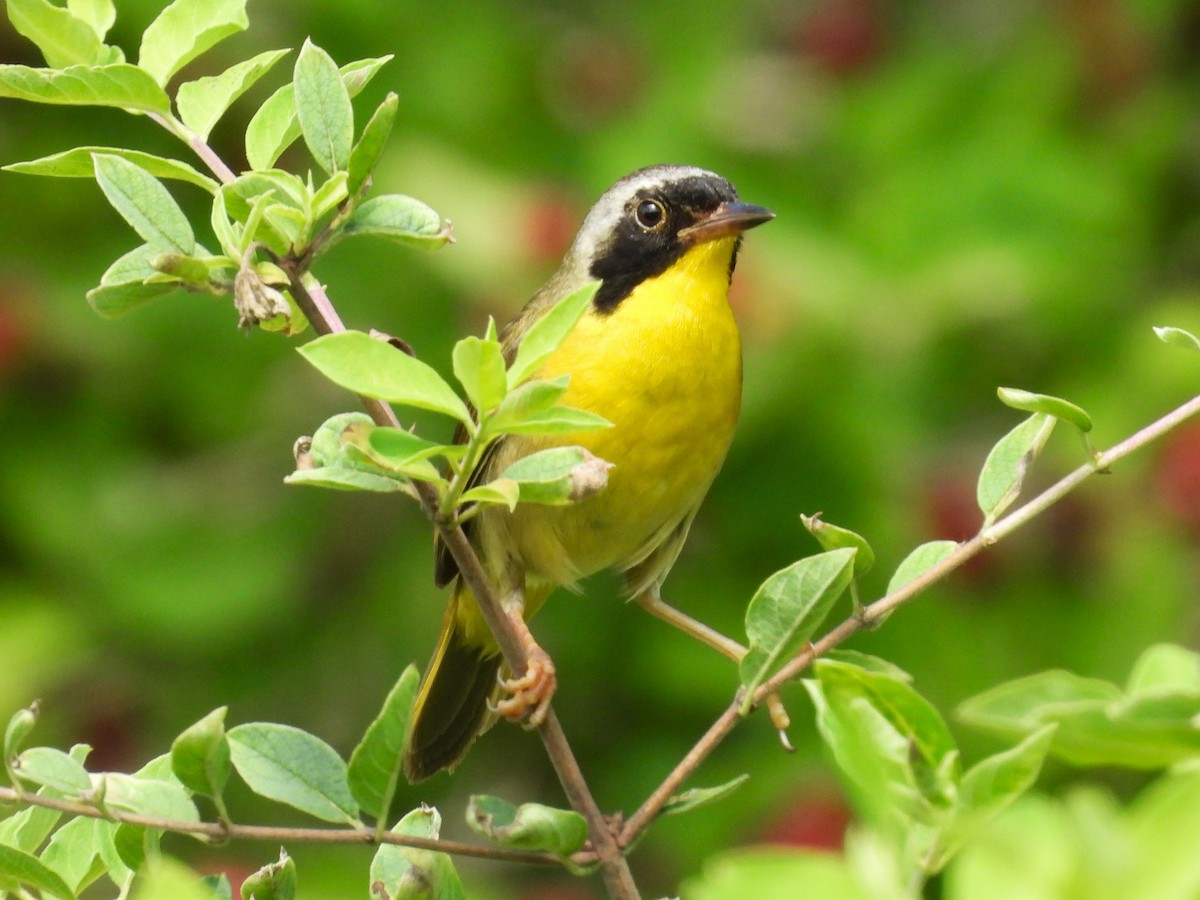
[(274, 127), (527, 399), (1005, 467), (202, 102), (369, 149), (119, 84), (64, 39), (291, 766), (323, 108), (530, 826), (184, 30), (548, 332), (19, 725), (398, 218), (479, 368), (406, 873), (144, 796), (376, 765), (111, 300), (78, 163), (556, 420), (834, 537), (402, 445), (50, 767), (98, 14), (274, 881), (28, 829), (987, 788), (72, 850), (20, 868), (1179, 337), (497, 492), (918, 562), (787, 609), (373, 368), (1165, 667), (145, 204), (345, 479), (1043, 403), (200, 755), (696, 797)]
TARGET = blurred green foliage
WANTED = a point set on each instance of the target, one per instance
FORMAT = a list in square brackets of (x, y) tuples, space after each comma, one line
[(968, 194)]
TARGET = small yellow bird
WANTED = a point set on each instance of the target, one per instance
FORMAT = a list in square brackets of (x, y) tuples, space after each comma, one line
[(656, 353)]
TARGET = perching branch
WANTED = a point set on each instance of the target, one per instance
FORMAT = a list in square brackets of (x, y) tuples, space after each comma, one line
[(872, 614), (219, 832)]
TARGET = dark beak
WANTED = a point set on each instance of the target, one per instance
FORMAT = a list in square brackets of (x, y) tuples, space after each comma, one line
[(726, 220)]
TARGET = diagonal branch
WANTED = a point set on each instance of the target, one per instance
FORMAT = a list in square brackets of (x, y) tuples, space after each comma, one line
[(871, 615)]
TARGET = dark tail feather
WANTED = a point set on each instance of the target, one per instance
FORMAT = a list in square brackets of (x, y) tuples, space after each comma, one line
[(451, 708)]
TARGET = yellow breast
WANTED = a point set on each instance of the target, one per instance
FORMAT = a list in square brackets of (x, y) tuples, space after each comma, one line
[(665, 368)]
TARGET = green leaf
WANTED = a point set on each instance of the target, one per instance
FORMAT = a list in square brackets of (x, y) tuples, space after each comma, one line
[(557, 420), (98, 14), (28, 829), (323, 108), (119, 84), (1043, 403), (407, 873), (1179, 337), (200, 756), (1097, 723), (146, 796), (112, 300), (530, 826), (913, 717), (341, 478), (1005, 467), (376, 765), (868, 662), (50, 767), (202, 102), (20, 868), (558, 475), (184, 30), (923, 558), (528, 399), (19, 725), (274, 881), (548, 332), (398, 218), (145, 204), (373, 368), (291, 766), (834, 537), (696, 797), (400, 445), (369, 149), (330, 196), (1165, 667), (497, 492), (78, 163), (64, 39), (787, 609), (479, 368), (987, 788), (219, 886), (274, 127), (72, 850)]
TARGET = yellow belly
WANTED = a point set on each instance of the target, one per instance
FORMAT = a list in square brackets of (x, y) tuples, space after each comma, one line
[(665, 369)]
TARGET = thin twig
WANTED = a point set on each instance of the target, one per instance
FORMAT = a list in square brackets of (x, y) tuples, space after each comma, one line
[(219, 832), (874, 612), (613, 867)]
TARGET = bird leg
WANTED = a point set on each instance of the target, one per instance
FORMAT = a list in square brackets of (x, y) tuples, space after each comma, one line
[(651, 601), (529, 693)]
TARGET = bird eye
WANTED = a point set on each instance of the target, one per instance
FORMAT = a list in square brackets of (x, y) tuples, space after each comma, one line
[(651, 215)]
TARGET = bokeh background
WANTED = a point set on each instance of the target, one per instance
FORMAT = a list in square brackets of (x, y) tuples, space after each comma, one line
[(969, 194)]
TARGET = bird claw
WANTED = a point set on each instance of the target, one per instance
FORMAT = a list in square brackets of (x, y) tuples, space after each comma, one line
[(529, 695)]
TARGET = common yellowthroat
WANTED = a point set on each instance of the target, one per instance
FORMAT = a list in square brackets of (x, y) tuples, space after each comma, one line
[(656, 353)]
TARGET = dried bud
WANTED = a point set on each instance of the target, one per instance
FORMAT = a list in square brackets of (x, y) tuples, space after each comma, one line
[(255, 300), (589, 477), (302, 451)]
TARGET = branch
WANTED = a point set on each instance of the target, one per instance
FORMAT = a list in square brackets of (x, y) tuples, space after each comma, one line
[(321, 315), (219, 832), (871, 615)]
